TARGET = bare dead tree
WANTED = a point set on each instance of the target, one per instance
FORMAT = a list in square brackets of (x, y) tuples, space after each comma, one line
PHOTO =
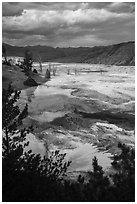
[(54, 70), (68, 70), (40, 62), (49, 67), (75, 70)]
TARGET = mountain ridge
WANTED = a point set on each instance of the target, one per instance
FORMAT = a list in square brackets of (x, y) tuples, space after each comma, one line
[(118, 54)]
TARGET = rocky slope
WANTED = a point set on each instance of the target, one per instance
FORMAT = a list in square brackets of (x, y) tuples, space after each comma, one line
[(16, 77), (118, 54)]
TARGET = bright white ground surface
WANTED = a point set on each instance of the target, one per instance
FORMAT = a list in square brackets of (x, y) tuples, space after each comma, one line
[(54, 112)]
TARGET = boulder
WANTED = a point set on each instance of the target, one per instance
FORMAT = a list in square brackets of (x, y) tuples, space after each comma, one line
[(35, 71), (30, 82)]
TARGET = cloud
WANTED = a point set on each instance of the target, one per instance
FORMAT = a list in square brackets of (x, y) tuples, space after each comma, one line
[(125, 7), (57, 24), (16, 8), (11, 9), (33, 20)]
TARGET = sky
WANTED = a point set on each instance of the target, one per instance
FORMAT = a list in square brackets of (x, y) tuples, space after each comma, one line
[(68, 24)]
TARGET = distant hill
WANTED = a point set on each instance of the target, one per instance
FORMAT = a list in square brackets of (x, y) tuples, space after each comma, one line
[(118, 54)]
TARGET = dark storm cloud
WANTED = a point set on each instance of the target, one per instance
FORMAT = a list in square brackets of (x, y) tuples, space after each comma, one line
[(68, 24), (15, 8), (11, 9)]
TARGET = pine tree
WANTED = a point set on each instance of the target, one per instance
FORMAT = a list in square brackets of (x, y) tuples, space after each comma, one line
[(124, 178), (26, 176), (28, 61)]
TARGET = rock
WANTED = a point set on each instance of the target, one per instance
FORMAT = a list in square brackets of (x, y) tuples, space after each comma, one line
[(30, 82), (35, 71)]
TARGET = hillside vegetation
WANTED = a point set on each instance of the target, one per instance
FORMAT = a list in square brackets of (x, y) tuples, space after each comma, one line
[(118, 54)]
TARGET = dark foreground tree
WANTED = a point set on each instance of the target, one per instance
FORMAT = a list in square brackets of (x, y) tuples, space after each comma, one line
[(26, 176), (124, 178)]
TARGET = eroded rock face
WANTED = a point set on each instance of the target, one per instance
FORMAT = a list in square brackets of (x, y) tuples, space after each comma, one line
[(30, 82)]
